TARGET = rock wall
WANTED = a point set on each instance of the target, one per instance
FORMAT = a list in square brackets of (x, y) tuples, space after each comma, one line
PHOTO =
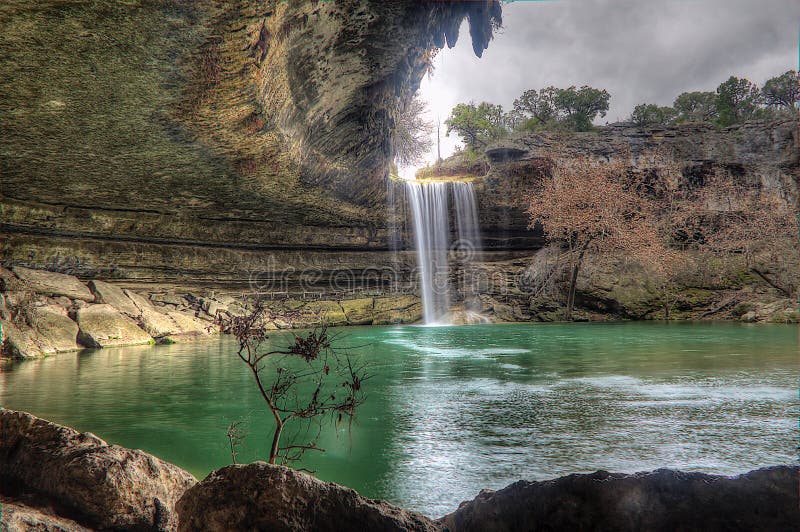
[(166, 141), (766, 153)]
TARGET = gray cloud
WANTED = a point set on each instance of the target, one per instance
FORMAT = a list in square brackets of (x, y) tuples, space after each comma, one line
[(638, 50)]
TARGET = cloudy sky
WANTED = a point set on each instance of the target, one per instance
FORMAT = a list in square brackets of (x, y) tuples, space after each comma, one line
[(638, 50)]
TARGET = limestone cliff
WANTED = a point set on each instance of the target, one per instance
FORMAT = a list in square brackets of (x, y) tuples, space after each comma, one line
[(194, 141), (765, 153)]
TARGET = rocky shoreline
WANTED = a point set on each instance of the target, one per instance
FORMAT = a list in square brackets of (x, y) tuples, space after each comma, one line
[(44, 313), (53, 478)]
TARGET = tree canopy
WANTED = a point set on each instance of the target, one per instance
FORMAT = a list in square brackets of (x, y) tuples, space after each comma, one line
[(782, 91), (737, 100), (695, 107), (477, 124), (412, 134), (646, 114), (575, 109), (571, 108)]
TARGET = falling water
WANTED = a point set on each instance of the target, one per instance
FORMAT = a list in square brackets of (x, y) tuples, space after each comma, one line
[(431, 226), (469, 235), (468, 246)]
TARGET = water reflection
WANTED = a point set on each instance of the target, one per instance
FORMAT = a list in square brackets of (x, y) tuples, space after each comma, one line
[(452, 410)]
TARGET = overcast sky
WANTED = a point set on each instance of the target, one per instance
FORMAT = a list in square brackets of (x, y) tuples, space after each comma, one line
[(638, 50)]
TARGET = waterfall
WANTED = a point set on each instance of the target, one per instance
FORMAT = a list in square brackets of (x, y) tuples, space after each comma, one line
[(431, 225), (469, 234)]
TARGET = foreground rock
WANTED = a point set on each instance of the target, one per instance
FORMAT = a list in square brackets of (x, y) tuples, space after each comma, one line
[(18, 516), (260, 496), (98, 485), (766, 499)]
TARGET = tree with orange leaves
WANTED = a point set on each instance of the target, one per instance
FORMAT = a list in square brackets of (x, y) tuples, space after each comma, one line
[(755, 221), (585, 205)]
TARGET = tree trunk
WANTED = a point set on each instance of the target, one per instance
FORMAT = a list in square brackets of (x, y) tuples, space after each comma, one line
[(574, 281), (571, 297), (276, 438)]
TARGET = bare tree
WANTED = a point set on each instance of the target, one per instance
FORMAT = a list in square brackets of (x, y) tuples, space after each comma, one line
[(756, 222), (588, 206), (236, 434), (306, 383), (412, 135)]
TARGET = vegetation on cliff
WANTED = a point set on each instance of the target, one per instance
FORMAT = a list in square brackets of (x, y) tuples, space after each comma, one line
[(575, 109)]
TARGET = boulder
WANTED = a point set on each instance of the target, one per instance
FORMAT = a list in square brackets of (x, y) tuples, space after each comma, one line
[(9, 281), (16, 515), (98, 485), (139, 301), (663, 500), (168, 298), (190, 326), (54, 284), (157, 323), (749, 317), (55, 331), (104, 326), (113, 295), (261, 496), (19, 341), (358, 311)]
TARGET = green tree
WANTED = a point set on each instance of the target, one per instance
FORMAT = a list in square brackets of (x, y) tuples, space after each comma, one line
[(737, 100), (477, 124), (579, 107), (537, 107), (782, 91), (695, 107), (646, 114)]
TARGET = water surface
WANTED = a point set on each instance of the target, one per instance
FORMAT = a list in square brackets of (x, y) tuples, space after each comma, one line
[(452, 410)]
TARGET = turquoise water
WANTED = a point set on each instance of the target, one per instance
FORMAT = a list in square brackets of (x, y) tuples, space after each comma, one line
[(452, 410)]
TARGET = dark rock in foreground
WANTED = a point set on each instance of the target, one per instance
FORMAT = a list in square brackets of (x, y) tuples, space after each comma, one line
[(260, 496), (664, 500), (18, 516), (83, 478), (53, 478)]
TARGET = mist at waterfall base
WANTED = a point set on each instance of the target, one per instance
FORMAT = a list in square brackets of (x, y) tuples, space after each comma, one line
[(429, 205)]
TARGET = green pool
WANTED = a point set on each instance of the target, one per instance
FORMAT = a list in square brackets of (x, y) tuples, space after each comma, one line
[(452, 410)]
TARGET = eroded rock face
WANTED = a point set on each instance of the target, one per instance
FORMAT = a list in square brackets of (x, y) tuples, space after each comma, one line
[(18, 516), (211, 137), (113, 295), (260, 496), (54, 284), (104, 326), (96, 484), (664, 500)]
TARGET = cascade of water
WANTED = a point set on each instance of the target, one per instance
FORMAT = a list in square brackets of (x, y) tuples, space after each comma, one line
[(469, 235), (469, 242), (431, 225)]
